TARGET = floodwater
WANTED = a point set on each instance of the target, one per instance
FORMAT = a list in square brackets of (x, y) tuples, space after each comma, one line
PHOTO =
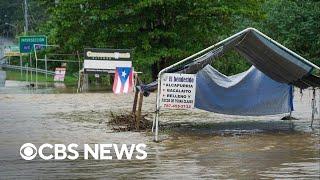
[(207, 145)]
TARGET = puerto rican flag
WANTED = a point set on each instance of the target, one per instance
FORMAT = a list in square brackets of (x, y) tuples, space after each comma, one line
[(123, 80)]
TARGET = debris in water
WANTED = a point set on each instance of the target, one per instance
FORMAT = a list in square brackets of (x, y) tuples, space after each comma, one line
[(289, 118), (127, 122)]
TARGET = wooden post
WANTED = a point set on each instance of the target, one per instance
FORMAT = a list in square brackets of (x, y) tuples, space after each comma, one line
[(80, 82), (80, 74), (134, 107), (138, 116), (85, 82)]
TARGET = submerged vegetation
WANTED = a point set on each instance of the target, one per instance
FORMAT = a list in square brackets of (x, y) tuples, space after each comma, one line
[(163, 32)]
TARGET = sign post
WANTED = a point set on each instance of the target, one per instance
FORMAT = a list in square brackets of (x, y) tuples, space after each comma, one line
[(171, 94), (28, 44), (20, 67)]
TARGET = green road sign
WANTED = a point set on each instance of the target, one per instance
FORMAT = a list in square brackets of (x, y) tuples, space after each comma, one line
[(27, 43)]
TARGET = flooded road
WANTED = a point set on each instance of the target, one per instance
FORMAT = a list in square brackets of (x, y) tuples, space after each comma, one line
[(209, 146)]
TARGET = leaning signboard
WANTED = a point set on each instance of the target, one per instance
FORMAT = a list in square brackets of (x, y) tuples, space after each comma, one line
[(106, 60), (59, 74), (177, 91), (27, 43)]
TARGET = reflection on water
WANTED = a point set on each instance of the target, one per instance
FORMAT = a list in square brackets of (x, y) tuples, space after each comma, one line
[(206, 145)]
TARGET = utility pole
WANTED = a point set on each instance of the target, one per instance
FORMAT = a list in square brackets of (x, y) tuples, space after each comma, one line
[(26, 27)]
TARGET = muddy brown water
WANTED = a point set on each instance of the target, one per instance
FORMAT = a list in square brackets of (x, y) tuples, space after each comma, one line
[(207, 145)]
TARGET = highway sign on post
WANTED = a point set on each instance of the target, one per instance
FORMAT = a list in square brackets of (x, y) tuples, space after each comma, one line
[(27, 43)]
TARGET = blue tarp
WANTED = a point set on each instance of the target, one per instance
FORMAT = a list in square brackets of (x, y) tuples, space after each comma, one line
[(249, 93)]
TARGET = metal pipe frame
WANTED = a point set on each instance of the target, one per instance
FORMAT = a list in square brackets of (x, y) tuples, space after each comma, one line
[(156, 119), (35, 54)]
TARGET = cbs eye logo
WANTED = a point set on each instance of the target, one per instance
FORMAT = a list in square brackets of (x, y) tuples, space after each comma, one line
[(28, 151)]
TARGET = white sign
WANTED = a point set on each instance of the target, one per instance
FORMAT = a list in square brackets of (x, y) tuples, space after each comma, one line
[(107, 55), (106, 60), (177, 91), (97, 65), (59, 74)]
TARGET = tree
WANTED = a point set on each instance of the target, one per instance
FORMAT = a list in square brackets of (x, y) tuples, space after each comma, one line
[(295, 24), (160, 32)]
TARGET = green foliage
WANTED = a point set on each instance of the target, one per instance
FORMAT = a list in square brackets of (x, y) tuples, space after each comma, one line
[(164, 32), (10, 12), (296, 25), (160, 32)]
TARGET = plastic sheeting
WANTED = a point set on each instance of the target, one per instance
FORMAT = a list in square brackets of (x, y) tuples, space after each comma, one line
[(249, 93)]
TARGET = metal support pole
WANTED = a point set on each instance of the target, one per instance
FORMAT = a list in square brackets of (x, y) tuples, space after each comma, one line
[(27, 72), (21, 67), (313, 106), (319, 103), (290, 115), (36, 86), (79, 75), (35, 54), (30, 61), (153, 124), (156, 119), (157, 127), (46, 67)]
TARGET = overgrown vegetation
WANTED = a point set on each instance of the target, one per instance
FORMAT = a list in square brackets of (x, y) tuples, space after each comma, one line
[(163, 32)]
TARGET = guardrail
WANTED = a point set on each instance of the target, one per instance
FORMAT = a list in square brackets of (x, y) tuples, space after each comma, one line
[(43, 71)]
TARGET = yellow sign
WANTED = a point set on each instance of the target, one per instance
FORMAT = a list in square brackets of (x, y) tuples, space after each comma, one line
[(10, 54), (11, 51)]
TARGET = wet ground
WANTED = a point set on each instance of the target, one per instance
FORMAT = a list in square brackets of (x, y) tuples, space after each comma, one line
[(207, 145)]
